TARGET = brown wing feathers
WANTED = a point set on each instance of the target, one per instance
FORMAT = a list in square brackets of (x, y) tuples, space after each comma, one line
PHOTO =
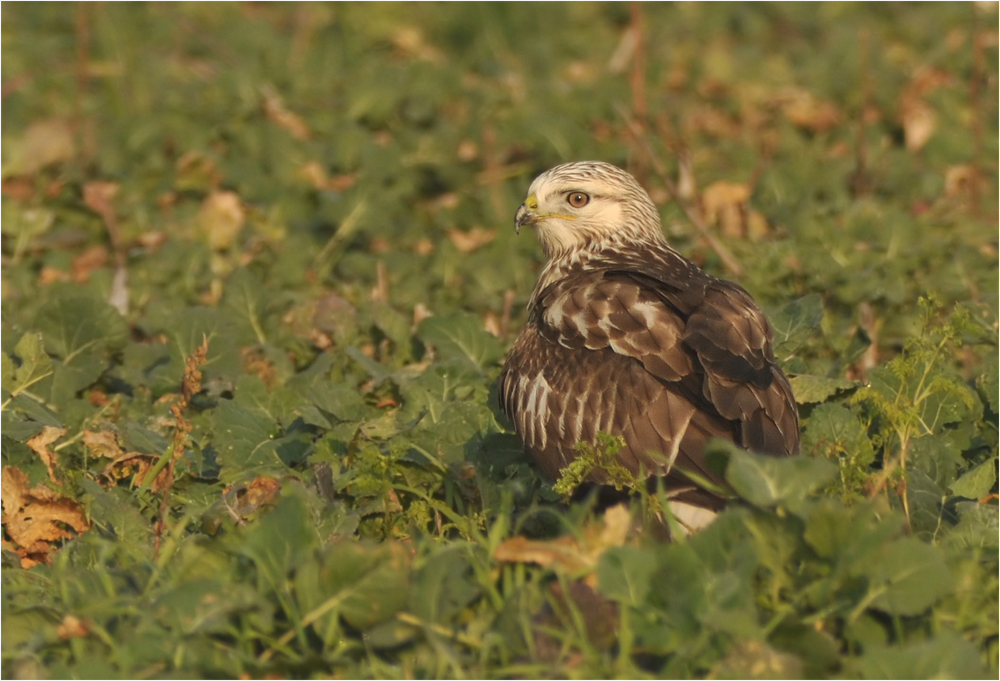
[(666, 364)]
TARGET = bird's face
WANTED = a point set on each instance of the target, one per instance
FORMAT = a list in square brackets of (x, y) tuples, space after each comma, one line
[(579, 205)]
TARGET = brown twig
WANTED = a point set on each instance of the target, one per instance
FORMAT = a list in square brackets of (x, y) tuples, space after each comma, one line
[(692, 213), (190, 386)]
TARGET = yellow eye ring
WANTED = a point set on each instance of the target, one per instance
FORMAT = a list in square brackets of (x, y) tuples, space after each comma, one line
[(577, 199)]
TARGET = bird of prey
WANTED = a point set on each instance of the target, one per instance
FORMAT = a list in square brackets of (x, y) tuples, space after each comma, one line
[(626, 336)]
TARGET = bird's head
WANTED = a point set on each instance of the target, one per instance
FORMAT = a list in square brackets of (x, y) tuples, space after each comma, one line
[(588, 205)]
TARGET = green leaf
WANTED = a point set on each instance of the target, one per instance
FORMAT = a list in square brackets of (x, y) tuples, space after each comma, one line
[(461, 337), (35, 364), (81, 331), (767, 480), (187, 329), (811, 389), (362, 584), (835, 432), (908, 577), (443, 586), (978, 482), (977, 527), (795, 323), (946, 656), (280, 541), (624, 573), (343, 402), (245, 441), (75, 324), (246, 297)]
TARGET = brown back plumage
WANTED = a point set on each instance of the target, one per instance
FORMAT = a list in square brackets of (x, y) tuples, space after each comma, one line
[(637, 341)]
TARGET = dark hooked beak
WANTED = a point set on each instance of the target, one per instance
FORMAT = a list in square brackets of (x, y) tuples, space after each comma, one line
[(523, 217)]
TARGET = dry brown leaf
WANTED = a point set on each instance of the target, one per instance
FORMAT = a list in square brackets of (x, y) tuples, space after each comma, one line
[(195, 171), (960, 181), (474, 239), (34, 518), (72, 627), (278, 113), (411, 42), (152, 240), (313, 173), (564, 552), (467, 151), (99, 197), (804, 110), (243, 500), (221, 218), (50, 275), (102, 443), (420, 313), (44, 143), (570, 554), (726, 204), (254, 362), (18, 188), (40, 446), (91, 259), (137, 466), (919, 122)]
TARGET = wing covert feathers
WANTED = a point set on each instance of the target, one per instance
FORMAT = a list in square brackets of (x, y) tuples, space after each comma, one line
[(655, 351)]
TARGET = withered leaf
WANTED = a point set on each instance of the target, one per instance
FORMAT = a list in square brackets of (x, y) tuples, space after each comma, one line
[(40, 446)]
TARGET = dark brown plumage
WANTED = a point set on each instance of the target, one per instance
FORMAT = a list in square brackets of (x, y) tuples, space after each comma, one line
[(626, 336)]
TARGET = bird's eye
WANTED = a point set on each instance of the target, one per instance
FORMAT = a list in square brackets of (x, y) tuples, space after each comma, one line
[(577, 199)]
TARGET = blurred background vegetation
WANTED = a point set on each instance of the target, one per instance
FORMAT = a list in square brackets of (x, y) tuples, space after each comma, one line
[(326, 192)]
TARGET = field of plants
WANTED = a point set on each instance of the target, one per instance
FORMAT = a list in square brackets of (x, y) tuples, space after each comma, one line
[(260, 274)]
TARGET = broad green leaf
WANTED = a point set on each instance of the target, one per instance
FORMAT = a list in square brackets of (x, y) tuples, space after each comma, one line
[(189, 327), (624, 573), (795, 323), (925, 504), (767, 480), (444, 586), (978, 482), (908, 577), (244, 439), (74, 325), (247, 298), (455, 432), (279, 542), (977, 527), (811, 389), (836, 432), (360, 583), (202, 607), (343, 402), (81, 331), (34, 366), (946, 656), (461, 337)]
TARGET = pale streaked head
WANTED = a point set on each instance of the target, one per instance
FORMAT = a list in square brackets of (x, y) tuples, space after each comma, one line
[(588, 205)]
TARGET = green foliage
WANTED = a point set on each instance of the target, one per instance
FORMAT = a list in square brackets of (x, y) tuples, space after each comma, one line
[(324, 194), (602, 457)]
